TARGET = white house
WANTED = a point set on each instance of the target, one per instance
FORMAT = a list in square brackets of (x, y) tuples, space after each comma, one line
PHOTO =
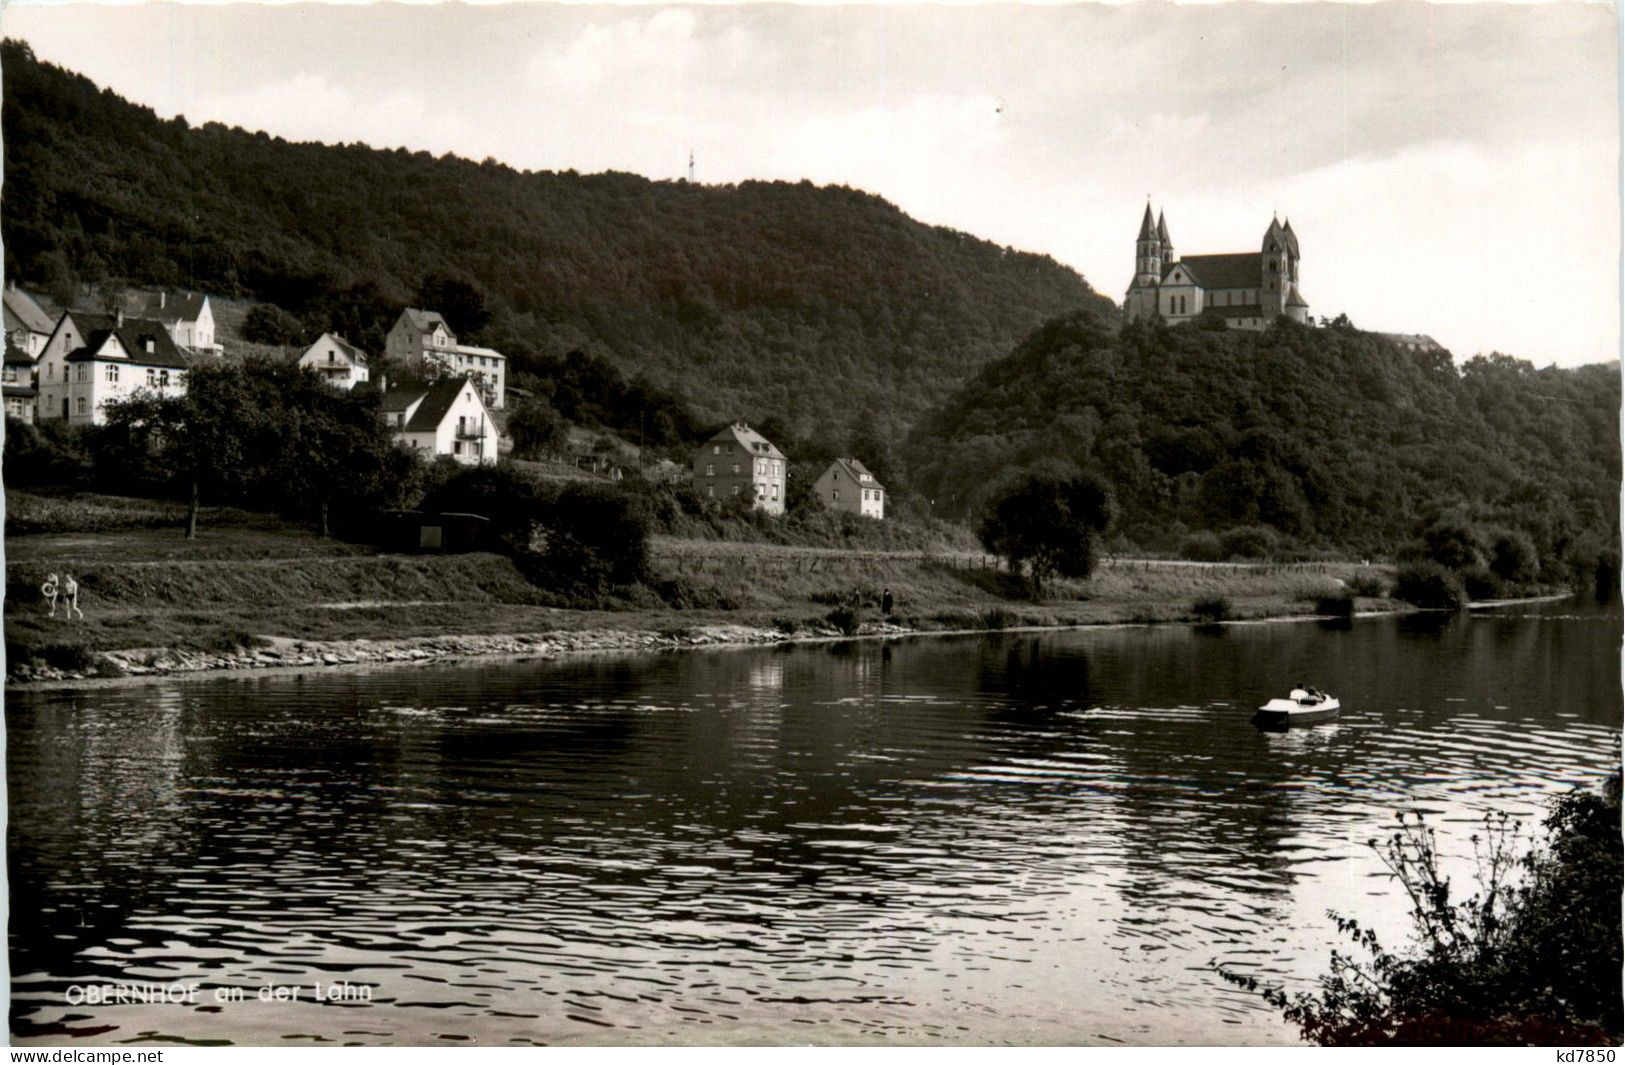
[(341, 364), (447, 418), (188, 318), (419, 337), (846, 485), (17, 384), (28, 327), (92, 360)]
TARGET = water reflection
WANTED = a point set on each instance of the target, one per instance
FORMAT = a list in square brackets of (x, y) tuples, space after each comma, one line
[(1019, 838)]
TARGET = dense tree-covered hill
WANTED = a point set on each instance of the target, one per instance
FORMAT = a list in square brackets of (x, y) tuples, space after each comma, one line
[(1330, 436), (823, 306)]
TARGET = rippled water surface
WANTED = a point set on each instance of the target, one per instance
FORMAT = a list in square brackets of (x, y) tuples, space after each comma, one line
[(1020, 838)]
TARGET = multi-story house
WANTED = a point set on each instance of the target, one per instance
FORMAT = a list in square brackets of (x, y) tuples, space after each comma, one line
[(423, 337), (341, 364), (447, 418), (188, 318), (847, 486), (28, 327), (92, 360), (17, 384), (737, 462)]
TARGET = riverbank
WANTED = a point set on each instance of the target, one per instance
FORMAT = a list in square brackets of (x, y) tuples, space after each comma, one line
[(251, 594)]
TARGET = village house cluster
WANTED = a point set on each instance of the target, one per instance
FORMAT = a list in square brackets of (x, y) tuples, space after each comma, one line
[(72, 365)]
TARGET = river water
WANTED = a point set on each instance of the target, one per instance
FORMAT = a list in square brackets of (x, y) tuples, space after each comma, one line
[(1018, 838)]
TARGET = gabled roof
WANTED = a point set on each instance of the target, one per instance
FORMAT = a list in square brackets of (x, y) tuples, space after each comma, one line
[(133, 334), (857, 471), (1291, 237), (1295, 298), (475, 349), (398, 400), (22, 308), (425, 321), (1240, 270), (349, 350), (747, 438), (437, 400), (16, 356), (173, 306), (1148, 225)]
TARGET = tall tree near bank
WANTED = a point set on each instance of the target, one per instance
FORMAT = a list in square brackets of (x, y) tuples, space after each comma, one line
[(1050, 524)]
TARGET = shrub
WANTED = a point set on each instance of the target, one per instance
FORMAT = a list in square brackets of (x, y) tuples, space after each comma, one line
[(847, 620), (997, 618), (1368, 585), (1337, 606), (1249, 541), (1212, 608), (1480, 583), (1430, 586), (1202, 546), (1519, 963), (1513, 557)]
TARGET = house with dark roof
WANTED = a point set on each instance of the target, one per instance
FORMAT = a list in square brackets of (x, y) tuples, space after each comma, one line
[(847, 485), (447, 418), (1248, 290), (28, 326), (421, 337), (1412, 342), (93, 359), (341, 363), (17, 384), (186, 315), (739, 462)]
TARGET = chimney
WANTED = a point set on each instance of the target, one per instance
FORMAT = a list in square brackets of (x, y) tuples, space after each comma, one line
[(162, 297), (118, 317)]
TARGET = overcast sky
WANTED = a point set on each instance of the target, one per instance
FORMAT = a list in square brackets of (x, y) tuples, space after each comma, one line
[(1451, 169)]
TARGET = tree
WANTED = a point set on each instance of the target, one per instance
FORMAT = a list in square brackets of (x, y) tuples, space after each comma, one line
[(536, 428), (216, 438), (460, 302), (1050, 525), (335, 445), (266, 323)]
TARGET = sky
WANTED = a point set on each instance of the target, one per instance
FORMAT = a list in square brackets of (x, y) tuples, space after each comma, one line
[(1448, 169)]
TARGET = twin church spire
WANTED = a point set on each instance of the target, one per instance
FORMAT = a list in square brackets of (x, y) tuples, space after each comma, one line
[(1248, 290)]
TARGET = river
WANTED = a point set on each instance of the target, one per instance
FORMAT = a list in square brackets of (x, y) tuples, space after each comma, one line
[(1015, 838)]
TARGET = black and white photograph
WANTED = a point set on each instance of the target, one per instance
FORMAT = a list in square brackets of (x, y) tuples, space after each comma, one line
[(812, 524)]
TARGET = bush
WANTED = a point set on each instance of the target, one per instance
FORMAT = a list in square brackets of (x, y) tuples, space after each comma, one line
[(1250, 541), (997, 618), (1479, 583), (266, 323), (1211, 609), (1513, 557), (1535, 962), (1202, 546), (1368, 585), (1337, 606), (1430, 586)]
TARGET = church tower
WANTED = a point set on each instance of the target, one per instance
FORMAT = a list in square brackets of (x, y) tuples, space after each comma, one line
[(1277, 264), (1141, 299)]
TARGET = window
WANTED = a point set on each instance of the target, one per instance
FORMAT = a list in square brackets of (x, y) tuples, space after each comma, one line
[(152, 377), (736, 489), (716, 449), (710, 469), (761, 490), (456, 447), (332, 357), (736, 467), (81, 404), (710, 491), (163, 378), (112, 375), (836, 494), (775, 491), (50, 371)]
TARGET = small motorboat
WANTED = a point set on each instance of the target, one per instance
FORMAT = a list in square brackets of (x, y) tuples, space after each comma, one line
[(1305, 706)]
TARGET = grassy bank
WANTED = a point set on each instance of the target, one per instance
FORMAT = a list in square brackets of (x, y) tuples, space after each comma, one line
[(248, 579)]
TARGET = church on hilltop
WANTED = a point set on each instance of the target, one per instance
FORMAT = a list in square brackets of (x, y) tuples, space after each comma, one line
[(1247, 289)]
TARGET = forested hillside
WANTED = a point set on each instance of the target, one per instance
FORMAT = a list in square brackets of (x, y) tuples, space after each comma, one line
[(1330, 436), (823, 306)]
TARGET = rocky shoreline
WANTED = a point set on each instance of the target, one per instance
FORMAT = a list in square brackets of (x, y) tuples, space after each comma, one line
[(282, 653)]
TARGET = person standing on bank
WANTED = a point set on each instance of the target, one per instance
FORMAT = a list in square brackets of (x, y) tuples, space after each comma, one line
[(885, 603)]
